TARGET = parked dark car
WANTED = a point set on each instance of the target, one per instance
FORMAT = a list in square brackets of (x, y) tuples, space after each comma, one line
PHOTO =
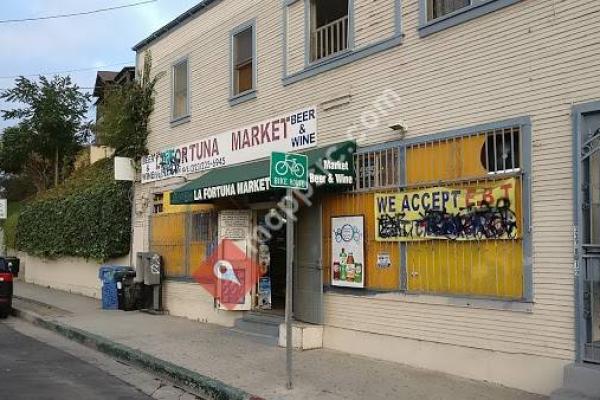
[(6, 288)]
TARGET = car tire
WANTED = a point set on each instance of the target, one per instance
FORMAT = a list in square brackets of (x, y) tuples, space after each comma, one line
[(4, 312)]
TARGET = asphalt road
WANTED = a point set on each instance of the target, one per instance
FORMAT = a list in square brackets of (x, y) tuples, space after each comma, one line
[(30, 369)]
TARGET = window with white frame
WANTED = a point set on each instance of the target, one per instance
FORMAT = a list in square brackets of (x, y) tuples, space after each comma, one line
[(181, 90), (329, 28), (243, 61), (440, 8)]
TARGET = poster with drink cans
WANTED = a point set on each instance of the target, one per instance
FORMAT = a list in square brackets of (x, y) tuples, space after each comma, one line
[(347, 251)]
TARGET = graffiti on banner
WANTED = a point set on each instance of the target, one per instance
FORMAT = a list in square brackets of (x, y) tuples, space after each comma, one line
[(469, 213)]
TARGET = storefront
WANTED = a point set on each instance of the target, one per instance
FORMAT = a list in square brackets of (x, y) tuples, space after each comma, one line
[(237, 205)]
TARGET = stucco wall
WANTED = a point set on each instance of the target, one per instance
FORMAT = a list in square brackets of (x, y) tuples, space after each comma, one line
[(74, 275)]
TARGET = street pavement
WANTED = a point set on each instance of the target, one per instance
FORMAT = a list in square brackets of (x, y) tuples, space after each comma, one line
[(31, 369), (251, 363)]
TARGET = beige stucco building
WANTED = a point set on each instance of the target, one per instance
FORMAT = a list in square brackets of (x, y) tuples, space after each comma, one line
[(436, 95)]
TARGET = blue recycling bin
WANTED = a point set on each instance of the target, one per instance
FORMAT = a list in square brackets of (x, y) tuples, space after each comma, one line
[(108, 274)]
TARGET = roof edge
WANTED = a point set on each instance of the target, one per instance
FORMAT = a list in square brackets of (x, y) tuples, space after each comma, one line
[(192, 12)]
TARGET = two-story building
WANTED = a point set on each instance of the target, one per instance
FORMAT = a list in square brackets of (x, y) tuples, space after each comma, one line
[(452, 218)]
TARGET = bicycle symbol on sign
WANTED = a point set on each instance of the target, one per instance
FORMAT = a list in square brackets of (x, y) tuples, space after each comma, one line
[(290, 165)]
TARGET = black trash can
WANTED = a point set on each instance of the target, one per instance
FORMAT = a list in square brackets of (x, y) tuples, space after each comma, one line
[(129, 293), (14, 265)]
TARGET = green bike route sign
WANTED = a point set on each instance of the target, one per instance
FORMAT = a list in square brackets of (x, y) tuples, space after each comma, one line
[(289, 170)]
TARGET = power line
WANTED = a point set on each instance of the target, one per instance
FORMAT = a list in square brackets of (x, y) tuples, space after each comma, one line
[(78, 88), (66, 71), (100, 10)]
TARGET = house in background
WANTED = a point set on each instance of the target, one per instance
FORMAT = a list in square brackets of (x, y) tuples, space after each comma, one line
[(104, 81)]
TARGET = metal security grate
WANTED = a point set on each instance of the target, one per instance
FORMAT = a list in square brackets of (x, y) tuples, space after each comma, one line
[(501, 151), (482, 260), (377, 169), (591, 307), (184, 240)]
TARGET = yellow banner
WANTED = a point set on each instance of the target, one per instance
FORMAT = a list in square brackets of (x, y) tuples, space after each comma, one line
[(468, 213)]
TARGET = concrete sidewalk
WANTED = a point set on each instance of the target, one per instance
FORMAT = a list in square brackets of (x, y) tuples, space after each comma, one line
[(249, 362)]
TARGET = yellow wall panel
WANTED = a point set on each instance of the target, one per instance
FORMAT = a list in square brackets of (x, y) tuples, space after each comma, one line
[(486, 268), (168, 240), (361, 204), (445, 160)]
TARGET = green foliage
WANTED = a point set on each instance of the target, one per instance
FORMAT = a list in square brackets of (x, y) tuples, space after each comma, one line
[(88, 216), (10, 224), (50, 131), (16, 188), (125, 112)]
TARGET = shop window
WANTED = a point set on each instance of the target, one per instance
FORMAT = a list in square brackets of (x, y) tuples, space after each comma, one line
[(501, 151), (329, 28), (204, 227), (439, 8), (456, 204), (377, 169), (244, 62), (180, 90)]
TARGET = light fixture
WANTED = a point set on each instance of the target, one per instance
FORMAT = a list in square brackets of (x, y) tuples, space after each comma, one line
[(401, 127)]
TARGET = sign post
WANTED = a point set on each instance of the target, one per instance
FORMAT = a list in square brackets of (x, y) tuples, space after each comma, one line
[(289, 171), (289, 228)]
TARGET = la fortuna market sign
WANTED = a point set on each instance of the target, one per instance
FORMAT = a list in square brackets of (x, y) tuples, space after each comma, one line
[(288, 133)]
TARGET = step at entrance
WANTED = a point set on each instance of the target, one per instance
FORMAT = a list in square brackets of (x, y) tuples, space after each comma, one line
[(260, 324), (580, 383)]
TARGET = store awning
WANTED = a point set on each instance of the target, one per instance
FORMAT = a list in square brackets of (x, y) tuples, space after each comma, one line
[(329, 166)]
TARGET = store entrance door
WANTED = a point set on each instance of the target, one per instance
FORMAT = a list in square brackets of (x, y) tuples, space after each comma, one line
[(271, 264), (308, 266), (588, 240)]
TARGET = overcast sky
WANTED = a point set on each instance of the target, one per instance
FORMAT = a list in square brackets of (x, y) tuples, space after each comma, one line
[(90, 41)]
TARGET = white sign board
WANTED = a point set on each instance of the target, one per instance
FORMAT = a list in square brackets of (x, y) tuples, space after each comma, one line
[(124, 169), (285, 133), (3, 209), (347, 251)]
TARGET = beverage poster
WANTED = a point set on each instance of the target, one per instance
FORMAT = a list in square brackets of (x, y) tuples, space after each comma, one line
[(347, 251)]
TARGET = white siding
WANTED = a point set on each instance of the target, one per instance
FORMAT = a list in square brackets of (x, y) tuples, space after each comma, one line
[(295, 37), (535, 58), (374, 20)]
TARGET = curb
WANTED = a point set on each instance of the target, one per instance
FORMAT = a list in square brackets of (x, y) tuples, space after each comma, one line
[(205, 387)]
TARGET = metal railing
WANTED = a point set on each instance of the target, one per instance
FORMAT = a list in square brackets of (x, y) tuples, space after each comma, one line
[(591, 307), (377, 169), (329, 39)]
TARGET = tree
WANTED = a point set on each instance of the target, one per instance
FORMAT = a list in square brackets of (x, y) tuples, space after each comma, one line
[(50, 131), (125, 113)]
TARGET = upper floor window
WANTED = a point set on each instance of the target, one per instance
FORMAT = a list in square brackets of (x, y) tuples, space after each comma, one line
[(243, 61), (329, 28), (181, 92), (439, 8)]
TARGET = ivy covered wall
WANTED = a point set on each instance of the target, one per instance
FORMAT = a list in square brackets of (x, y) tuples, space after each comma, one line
[(88, 216)]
